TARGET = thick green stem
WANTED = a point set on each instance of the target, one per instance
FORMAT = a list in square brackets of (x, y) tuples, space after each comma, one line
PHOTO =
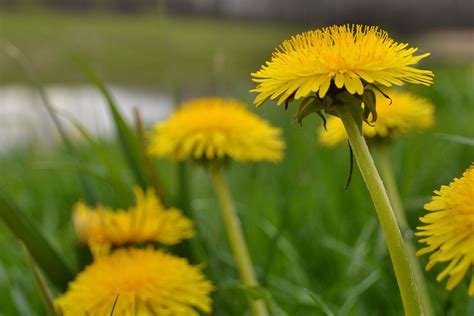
[(388, 177), (237, 240), (401, 264)]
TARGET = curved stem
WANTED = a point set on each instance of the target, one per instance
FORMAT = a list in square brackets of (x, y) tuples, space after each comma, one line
[(403, 269), (237, 240), (388, 177)]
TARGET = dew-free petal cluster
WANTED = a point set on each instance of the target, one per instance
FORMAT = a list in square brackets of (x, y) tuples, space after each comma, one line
[(146, 282), (147, 221), (215, 128), (403, 113), (448, 230), (347, 56)]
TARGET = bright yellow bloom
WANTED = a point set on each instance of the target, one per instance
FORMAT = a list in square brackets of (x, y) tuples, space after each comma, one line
[(147, 221), (349, 55), (146, 282), (215, 128), (449, 230), (407, 112)]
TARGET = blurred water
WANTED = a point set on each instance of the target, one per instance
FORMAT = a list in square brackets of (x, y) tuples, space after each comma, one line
[(23, 118)]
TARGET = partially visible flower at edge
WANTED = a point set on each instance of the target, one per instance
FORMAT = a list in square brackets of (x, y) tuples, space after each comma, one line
[(449, 230), (144, 282), (214, 129), (405, 112), (146, 221), (350, 56)]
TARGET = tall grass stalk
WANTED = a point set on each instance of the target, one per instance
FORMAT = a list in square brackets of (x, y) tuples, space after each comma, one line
[(41, 285), (46, 257), (125, 135), (145, 159)]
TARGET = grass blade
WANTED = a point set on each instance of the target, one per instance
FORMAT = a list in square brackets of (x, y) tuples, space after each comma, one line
[(145, 159), (120, 186), (43, 253), (188, 248), (126, 137), (320, 303), (45, 294), (27, 68), (357, 291), (183, 192), (464, 140)]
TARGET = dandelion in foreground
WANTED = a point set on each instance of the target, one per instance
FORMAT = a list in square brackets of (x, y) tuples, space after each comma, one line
[(337, 71), (448, 230), (146, 221), (349, 56), (212, 131), (404, 113), (146, 282)]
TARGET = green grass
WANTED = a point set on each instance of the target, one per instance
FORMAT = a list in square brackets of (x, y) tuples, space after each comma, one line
[(138, 50), (315, 245), (306, 233)]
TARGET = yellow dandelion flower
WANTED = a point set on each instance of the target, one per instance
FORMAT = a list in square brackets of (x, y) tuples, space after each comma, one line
[(406, 112), (146, 282), (215, 128), (349, 55), (147, 221), (449, 229)]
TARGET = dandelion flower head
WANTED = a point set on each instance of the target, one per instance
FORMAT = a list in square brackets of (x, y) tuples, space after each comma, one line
[(347, 56), (402, 114), (214, 129), (143, 281), (448, 230), (147, 221)]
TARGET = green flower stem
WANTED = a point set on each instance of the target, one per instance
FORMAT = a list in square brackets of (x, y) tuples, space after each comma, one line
[(237, 240), (386, 170), (403, 270)]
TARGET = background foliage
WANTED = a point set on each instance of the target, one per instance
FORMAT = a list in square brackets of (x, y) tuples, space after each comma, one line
[(317, 247)]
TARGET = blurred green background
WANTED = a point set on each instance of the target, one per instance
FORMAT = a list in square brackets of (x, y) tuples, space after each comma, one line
[(316, 246)]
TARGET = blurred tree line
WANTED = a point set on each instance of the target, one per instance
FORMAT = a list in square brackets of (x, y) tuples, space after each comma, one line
[(401, 15), (119, 5)]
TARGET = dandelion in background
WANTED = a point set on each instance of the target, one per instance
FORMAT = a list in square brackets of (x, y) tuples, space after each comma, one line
[(143, 281), (147, 221), (404, 113), (212, 131), (337, 71), (448, 230)]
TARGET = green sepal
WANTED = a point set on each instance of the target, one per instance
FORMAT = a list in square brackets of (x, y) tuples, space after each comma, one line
[(357, 113), (288, 100), (348, 99), (323, 118), (306, 107), (381, 92), (354, 105), (369, 105)]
